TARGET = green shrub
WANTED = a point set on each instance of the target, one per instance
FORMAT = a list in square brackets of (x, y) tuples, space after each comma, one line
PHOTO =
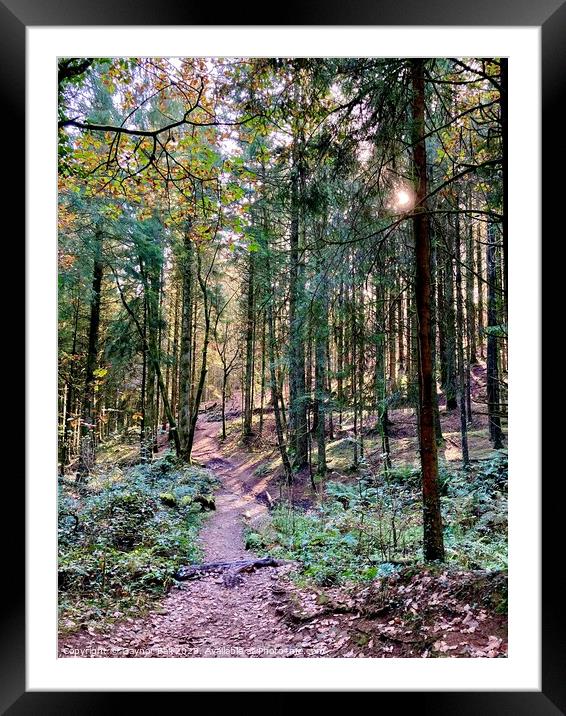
[(254, 541), (475, 511), (367, 527), (120, 546)]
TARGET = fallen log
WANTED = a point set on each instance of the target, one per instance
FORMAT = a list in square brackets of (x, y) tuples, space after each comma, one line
[(233, 569), (206, 408)]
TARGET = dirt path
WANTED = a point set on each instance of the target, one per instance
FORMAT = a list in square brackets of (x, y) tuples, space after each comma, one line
[(266, 615), (222, 534), (204, 618)]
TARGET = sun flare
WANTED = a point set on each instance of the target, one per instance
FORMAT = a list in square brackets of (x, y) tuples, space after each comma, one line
[(403, 198)]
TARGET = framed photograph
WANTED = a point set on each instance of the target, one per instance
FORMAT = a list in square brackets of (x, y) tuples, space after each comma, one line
[(252, 252)]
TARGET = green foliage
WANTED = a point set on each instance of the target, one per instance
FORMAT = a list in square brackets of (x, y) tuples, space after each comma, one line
[(254, 541), (153, 210), (120, 545), (496, 331), (475, 509), (168, 499), (356, 532), (367, 528)]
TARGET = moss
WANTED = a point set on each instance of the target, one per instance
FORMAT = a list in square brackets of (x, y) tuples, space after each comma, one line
[(168, 499), (123, 548), (361, 638), (207, 502)]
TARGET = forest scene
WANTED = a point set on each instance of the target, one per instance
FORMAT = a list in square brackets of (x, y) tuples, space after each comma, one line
[(282, 357)]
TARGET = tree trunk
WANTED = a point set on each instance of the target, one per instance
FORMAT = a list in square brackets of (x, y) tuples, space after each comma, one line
[(433, 547), (479, 272), (391, 341), (186, 349), (224, 381), (493, 407), (276, 408), (460, 342), (329, 390), (175, 356), (380, 382), (361, 366), (87, 445), (470, 304), (204, 358), (434, 324), (354, 368), (449, 357), (287, 469), (249, 372), (151, 357), (297, 399), (143, 452), (262, 390), (321, 338), (340, 353), (68, 431), (149, 413), (504, 164)]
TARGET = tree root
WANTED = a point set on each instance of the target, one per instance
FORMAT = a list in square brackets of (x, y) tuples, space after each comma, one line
[(233, 570)]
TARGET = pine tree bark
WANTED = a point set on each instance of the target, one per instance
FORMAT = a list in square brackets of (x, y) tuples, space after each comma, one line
[(380, 382), (493, 407), (321, 338), (329, 389), (434, 324), (263, 366), (276, 397), (361, 366), (155, 386), (504, 109), (470, 304), (354, 362), (186, 346), (391, 341), (87, 444), (249, 372), (175, 357), (204, 359), (480, 311), (339, 318), (460, 343), (433, 545), (143, 445), (287, 469), (297, 399), (68, 417), (448, 319)]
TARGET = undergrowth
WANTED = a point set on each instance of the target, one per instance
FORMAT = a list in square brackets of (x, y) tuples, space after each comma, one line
[(372, 526), (121, 542)]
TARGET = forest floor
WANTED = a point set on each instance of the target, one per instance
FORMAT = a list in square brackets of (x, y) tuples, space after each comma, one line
[(416, 612)]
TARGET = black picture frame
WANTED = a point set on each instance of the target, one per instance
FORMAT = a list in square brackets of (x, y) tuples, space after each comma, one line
[(15, 16)]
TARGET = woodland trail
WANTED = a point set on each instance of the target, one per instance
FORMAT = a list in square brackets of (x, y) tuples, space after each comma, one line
[(222, 535), (266, 615), (204, 618)]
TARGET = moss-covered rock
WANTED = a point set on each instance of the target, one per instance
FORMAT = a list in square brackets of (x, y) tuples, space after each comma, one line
[(168, 499), (207, 502)]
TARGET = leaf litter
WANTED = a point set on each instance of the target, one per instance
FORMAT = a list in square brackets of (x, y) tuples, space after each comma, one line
[(417, 612)]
